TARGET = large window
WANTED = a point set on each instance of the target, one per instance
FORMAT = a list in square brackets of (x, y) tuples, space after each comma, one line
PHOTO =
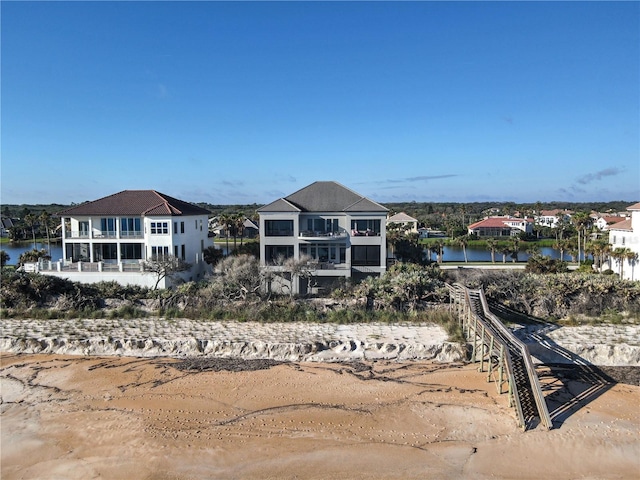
[(365, 227), (275, 252), (322, 225), (105, 251), (278, 228), (130, 251), (365, 255), (325, 252), (108, 227), (159, 252), (159, 228), (130, 227)]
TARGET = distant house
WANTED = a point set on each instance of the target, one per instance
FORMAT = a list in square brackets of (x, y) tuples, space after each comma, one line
[(404, 220), (550, 218), (505, 226), (250, 229), (6, 223), (110, 238), (342, 232), (626, 235), (603, 222)]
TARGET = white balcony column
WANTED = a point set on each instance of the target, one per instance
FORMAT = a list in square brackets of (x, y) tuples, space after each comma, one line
[(90, 239)]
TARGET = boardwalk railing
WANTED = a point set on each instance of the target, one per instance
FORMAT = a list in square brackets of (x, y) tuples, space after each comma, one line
[(505, 358)]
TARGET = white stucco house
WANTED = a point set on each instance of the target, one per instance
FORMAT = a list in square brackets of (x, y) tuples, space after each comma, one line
[(405, 221), (550, 218), (505, 226), (342, 232), (626, 235), (110, 238)]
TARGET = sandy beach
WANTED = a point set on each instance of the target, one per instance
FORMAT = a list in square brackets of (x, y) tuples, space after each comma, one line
[(79, 417)]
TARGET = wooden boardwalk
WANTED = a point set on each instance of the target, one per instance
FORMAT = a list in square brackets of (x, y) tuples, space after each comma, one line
[(503, 357)]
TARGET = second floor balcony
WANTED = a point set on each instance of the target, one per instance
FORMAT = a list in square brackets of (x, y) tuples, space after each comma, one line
[(322, 235), (103, 234)]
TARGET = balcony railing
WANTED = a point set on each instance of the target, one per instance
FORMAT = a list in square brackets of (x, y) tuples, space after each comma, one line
[(102, 234), (62, 266), (313, 234), (364, 233)]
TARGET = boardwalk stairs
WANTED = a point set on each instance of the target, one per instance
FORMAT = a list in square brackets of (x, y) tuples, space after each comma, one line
[(504, 357)]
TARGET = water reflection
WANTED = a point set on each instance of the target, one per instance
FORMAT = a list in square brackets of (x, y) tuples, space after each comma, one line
[(451, 254), (456, 254)]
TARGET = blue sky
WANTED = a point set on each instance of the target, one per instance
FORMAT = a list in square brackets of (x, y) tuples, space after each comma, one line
[(246, 102)]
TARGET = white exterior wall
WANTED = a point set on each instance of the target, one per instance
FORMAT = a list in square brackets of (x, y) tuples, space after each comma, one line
[(195, 239), (627, 239)]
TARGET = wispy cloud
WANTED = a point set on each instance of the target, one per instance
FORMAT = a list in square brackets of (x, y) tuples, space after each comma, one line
[(422, 178), (592, 177), (232, 183)]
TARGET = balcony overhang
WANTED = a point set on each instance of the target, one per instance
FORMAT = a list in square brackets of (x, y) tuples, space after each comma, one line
[(321, 236)]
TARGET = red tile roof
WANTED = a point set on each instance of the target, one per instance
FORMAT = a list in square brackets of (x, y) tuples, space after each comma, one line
[(136, 203)]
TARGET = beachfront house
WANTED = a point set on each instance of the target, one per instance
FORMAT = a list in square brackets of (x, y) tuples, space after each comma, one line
[(505, 226), (341, 233), (624, 239), (111, 238)]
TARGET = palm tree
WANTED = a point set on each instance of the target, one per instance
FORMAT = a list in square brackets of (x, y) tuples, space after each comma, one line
[(30, 220), (582, 221), (515, 246), (225, 221), (438, 248), (492, 245), (45, 220), (462, 241), (393, 236), (237, 224), (598, 249), (620, 255), (505, 249), (562, 246), (631, 257)]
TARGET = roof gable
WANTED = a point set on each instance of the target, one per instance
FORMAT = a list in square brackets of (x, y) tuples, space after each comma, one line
[(136, 203), (624, 225), (326, 197), (280, 205), (401, 217)]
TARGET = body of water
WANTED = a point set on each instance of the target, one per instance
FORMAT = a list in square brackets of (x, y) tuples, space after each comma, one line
[(456, 254), (451, 254), (15, 249)]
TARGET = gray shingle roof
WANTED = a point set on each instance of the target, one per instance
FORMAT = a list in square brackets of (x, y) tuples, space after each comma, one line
[(136, 203), (324, 197)]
